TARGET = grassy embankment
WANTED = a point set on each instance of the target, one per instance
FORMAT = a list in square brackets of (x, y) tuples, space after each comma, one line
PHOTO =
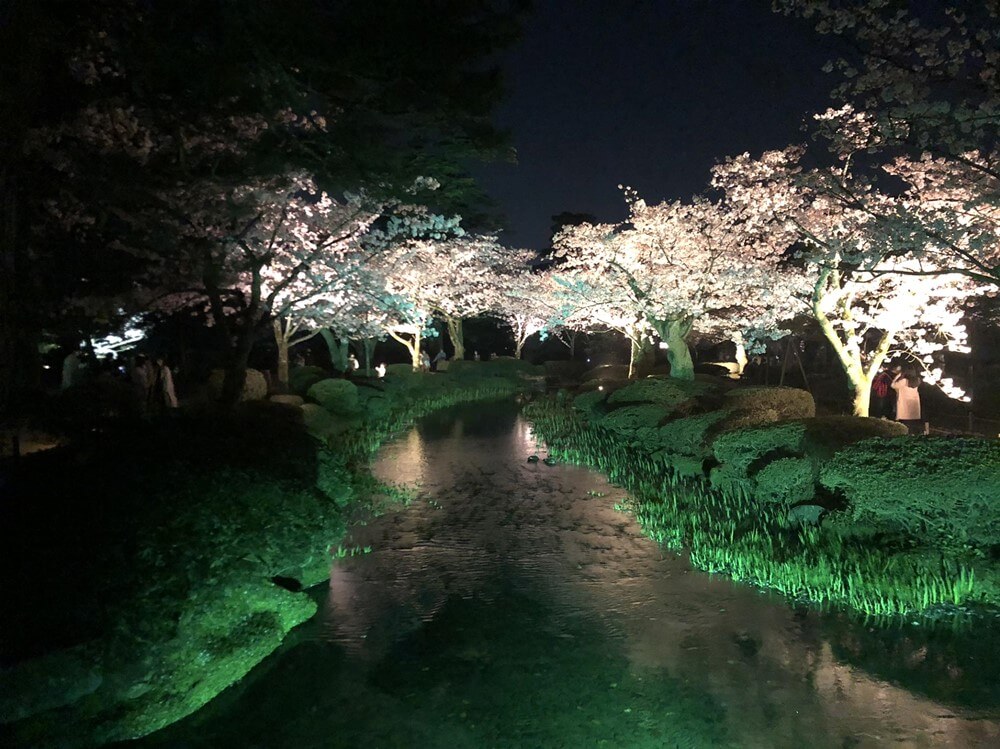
[(152, 565), (830, 510)]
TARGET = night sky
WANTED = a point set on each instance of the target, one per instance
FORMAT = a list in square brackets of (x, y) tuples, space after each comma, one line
[(648, 94)]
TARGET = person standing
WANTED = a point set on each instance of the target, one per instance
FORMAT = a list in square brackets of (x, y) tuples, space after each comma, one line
[(438, 358), (906, 384), (161, 390), (882, 406)]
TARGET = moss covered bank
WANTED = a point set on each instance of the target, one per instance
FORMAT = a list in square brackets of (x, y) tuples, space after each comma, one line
[(156, 566), (838, 510)]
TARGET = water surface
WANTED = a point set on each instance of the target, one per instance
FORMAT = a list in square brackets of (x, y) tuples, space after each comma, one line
[(510, 605)]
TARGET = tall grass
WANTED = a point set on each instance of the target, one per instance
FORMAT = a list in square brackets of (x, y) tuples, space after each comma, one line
[(728, 533)]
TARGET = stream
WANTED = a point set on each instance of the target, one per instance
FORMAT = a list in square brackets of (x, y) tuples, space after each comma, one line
[(511, 605)]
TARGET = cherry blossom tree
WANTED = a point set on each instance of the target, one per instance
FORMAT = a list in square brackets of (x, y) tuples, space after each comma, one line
[(528, 303), (677, 266), (872, 297), (920, 97), (457, 278)]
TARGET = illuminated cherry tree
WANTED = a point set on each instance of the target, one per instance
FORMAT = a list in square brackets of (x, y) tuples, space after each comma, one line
[(587, 300), (527, 302), (873, 294), (676, 267), (921, 100)]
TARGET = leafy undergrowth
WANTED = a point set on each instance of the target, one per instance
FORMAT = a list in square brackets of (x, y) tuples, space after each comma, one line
[(155, 566), (837, 563)]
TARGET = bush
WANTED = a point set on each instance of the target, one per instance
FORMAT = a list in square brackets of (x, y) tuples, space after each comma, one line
[(336, 395), (747, 452), (785, 481), (629, 419), (940, 489), (402, 370), (607, 372), (254, 386), (690, 435), (672, 395), (317, 419), (590, 404), (768, 404), (300, 379)]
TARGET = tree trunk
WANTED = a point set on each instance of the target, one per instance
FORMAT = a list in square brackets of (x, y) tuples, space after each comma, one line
[(518, 347), (640, 357), (339, 349), (281, 340), (674, 333), (741, 355), (368, 352), (236, 371), (456, 335), (412, 343)]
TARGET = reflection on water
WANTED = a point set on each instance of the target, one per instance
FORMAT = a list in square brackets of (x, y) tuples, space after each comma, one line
[(511, 606)]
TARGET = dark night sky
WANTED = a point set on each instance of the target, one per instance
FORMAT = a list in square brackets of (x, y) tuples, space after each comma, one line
[(649, 94)]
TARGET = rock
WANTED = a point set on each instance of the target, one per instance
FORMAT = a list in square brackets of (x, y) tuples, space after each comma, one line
[(254, 386), (532, 458), (291, 400), (549, 461)]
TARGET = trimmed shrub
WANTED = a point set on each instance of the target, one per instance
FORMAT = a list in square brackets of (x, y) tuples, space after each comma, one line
[(740, 448), (673, 395), (747, 453), (336, 396), (590, 404), (767, 404), (690, 435), (628, 419), (300, 379), (254, 387), (786, 481), (463, 366), (940, 489), (404, 370)]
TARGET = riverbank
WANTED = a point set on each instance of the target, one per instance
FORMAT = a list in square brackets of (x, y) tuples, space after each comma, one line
[(154, 566), (774, 497)]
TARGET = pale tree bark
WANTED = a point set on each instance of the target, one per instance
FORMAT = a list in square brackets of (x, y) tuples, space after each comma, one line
[(339, 349), (741, 354), (456, 335), (674, 333), (640, 356), (848, 343), (409, 336)]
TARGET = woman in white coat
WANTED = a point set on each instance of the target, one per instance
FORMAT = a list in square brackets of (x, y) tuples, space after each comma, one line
[(906, 384)]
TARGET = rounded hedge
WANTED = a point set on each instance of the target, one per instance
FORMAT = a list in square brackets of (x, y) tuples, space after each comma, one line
[(672, 395), (776, 403), (942, 489), (785, 481), (337, 396), (629, 419), (300, 379)]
